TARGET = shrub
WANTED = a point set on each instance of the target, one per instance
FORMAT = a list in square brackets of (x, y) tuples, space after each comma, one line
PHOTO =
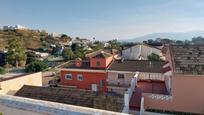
[(154, 57), (36, 66), (2, 70), (67, 54)]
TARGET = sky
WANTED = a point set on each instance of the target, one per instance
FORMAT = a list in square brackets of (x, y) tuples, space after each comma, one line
[(104, 19)]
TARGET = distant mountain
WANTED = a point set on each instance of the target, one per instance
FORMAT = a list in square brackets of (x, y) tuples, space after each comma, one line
[(170, 35)]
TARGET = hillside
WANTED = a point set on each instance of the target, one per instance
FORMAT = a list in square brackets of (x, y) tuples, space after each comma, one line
[(31, 39)]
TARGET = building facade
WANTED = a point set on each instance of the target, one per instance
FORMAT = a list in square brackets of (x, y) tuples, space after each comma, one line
[(185, 82), (90, 74), (140, 52)]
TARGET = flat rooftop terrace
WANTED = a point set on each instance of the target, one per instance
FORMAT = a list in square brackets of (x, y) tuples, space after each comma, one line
[(146, 86)]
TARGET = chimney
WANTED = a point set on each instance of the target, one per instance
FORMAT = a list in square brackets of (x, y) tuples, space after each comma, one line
[(78, 62)]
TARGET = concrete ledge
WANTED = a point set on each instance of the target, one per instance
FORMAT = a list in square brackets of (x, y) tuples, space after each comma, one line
[(53, 108)]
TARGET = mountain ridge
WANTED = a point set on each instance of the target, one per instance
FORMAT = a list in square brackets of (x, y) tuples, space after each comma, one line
[(170, 35)]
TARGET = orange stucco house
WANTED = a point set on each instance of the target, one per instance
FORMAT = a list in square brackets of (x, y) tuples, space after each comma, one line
[(87, 74)]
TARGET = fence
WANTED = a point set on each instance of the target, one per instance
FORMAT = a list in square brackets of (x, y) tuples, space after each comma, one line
[(158, 96), (151, 76)]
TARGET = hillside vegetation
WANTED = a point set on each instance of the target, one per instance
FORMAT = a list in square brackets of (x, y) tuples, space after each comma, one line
[(31, 39)]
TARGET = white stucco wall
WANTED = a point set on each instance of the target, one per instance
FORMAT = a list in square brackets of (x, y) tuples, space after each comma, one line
[(134, 52), (14, 84), (113, 78), (5, 110), (146, 51), (131, 53), (168, 83)]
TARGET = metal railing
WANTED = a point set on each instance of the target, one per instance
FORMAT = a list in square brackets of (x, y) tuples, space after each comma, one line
[(113, 83)]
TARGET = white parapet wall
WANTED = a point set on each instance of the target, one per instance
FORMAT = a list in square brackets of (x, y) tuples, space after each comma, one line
[(128, 94), (12, 105)]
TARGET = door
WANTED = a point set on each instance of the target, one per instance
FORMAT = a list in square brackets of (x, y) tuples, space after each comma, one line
[(94, 87)]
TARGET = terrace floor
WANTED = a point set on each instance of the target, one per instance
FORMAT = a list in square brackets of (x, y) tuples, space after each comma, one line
[(146, 86)]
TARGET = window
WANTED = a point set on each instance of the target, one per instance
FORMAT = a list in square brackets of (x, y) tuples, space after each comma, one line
[(121, 76), (98, 63), (68, 76), (79, 77), (102, 83)]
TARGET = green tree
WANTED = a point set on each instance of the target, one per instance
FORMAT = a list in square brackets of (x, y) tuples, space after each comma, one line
[(16, 53), (2, 70), (36, 66), (79, 54), (77, 38), (153, 57), (67, 54), (114, 44), (97, 45), (64, 36)]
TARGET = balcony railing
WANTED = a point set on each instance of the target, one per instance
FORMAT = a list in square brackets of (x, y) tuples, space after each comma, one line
[(151, 77), (118, 84), (158, 96)]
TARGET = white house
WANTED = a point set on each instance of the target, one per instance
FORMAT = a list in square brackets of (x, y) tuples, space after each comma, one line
[(13, 27), (140, 52), (41, 54), (120, 73)]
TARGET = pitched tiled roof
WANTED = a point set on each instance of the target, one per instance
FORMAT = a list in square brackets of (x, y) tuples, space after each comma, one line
[(137, 65), (164, 49), (142, 44), (188, 59), (72, 96), (99, 54), (85, 65), (102, 54)]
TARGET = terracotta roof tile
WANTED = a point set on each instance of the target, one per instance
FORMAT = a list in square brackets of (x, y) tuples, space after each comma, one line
[(137, 65), (77, 97)]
